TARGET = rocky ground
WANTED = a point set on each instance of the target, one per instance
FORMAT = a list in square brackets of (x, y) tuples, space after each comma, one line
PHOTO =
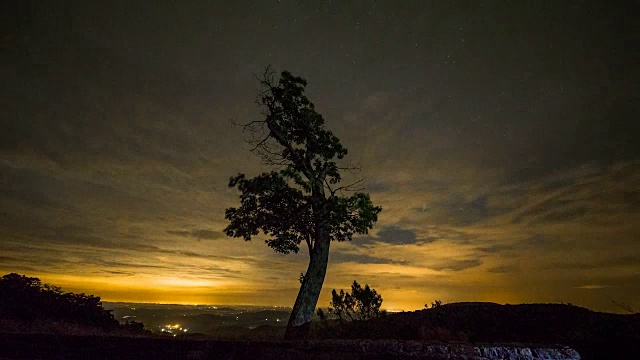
[(51, 346), (595, 335)]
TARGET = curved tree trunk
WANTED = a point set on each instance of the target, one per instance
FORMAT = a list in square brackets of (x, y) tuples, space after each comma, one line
[(300, 320)]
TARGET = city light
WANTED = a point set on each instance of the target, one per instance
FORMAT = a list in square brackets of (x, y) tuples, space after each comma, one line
[(173, 329)]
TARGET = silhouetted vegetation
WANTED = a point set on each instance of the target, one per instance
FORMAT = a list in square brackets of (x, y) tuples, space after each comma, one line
[(26, 301), (303, 201), (595, 335), (360, 304), (434, 304)]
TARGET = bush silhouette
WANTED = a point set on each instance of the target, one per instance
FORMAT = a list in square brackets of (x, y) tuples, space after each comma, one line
[(434, 304), (26, 299), (360, 304)]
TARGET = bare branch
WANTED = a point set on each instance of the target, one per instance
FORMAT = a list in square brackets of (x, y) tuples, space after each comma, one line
[(252, 123), (261, 142), (352, 187), (357, 167), (267, 76)]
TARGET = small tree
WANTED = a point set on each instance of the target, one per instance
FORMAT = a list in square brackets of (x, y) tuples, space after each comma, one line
[(300, 201), (434, 304), (360, 304)]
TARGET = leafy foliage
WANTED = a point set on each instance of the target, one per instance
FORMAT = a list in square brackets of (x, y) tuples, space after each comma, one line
[(360, 304), (270, 204)]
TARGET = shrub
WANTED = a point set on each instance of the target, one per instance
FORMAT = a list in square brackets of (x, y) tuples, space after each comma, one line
[(360, 304)]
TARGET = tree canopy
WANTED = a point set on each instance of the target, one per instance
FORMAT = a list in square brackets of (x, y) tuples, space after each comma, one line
[(289, 203)]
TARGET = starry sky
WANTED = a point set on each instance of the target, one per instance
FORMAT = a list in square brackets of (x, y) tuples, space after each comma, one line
[(500, 137)]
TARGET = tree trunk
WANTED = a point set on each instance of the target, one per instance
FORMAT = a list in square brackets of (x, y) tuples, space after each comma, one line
[(300, 320)]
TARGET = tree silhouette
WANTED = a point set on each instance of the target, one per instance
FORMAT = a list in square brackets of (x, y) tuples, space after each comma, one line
[(300, 201), (360, 304), (26, 299)]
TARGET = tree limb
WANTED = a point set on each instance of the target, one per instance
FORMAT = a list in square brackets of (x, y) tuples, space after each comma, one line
[(350, 187), (282, 141)]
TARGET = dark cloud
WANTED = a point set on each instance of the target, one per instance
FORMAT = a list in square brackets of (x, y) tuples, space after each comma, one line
[(426, 239), (343, 257), (555, 209), (631, 198), (392, 235), (622, 261), (200, 234), (207, 234), (78, 235), (458, 236), (456, 265), (365, 240), (541, 242), (496, 248), (118, 272), (503, 269), (26, 187), (218, 269), (564, 215), (583, 194), (396, 236), (457, 209), (41, 233), (7, 258), (179, 232)]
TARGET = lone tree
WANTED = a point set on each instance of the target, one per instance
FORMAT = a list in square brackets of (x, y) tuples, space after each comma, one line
[(301, 199)]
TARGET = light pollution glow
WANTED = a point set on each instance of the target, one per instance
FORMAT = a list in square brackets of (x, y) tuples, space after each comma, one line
[(501, 141)]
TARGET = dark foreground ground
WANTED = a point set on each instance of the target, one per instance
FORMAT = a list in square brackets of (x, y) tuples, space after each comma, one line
[(50, 346), (444, 332), (595, 335)]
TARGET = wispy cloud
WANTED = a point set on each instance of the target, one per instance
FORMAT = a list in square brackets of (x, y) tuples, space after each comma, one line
[(114, 164), (199, 234), (592, 287)]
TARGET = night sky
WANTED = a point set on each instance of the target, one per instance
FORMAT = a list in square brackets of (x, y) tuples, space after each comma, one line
[(502, 140)]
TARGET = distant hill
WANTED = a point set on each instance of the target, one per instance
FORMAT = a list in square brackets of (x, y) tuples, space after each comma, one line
[(595, 335)]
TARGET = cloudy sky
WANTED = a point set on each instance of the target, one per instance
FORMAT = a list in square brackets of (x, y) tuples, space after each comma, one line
[(501, 139)]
